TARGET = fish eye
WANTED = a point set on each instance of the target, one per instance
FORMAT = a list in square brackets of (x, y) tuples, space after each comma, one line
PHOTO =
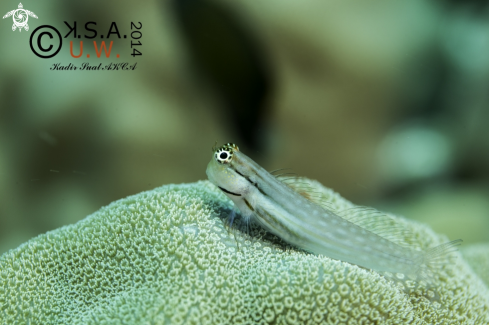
[(223, 156)]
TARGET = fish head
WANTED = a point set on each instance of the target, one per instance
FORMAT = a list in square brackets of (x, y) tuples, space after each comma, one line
[(222, 172)]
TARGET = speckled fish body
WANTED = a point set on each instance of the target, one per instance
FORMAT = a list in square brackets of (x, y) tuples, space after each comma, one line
[(284, 212)]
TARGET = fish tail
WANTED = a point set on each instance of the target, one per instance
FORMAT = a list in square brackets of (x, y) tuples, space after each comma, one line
[(421, 278), (434, 258)]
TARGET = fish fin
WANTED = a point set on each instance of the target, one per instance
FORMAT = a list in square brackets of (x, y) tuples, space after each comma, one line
[(368, 218), (421, 279), (299, 185), (434, 258), (380, 223)]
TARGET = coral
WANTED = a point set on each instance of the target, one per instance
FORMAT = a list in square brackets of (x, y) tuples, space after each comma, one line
[(164, 256), (477, 256)]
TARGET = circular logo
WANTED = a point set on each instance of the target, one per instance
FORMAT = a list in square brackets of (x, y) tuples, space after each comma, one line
[(20, 17), (44, 41)]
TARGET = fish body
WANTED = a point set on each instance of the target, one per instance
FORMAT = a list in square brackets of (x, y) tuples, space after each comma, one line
[(274, 205)]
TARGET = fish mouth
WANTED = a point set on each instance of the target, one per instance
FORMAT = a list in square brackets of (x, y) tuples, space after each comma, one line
[(228, 192)]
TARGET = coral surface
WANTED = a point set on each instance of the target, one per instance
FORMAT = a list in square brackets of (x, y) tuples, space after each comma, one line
[(477, 256), (165, 257)]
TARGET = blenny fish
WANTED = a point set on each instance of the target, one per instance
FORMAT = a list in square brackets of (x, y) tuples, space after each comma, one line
[(277, 207)]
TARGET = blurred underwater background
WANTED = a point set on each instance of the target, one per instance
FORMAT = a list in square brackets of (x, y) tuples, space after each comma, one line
[(385, 102)]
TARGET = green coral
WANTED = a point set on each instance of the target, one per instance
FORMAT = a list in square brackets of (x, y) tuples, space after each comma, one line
[(164, 256), (478, 257)]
